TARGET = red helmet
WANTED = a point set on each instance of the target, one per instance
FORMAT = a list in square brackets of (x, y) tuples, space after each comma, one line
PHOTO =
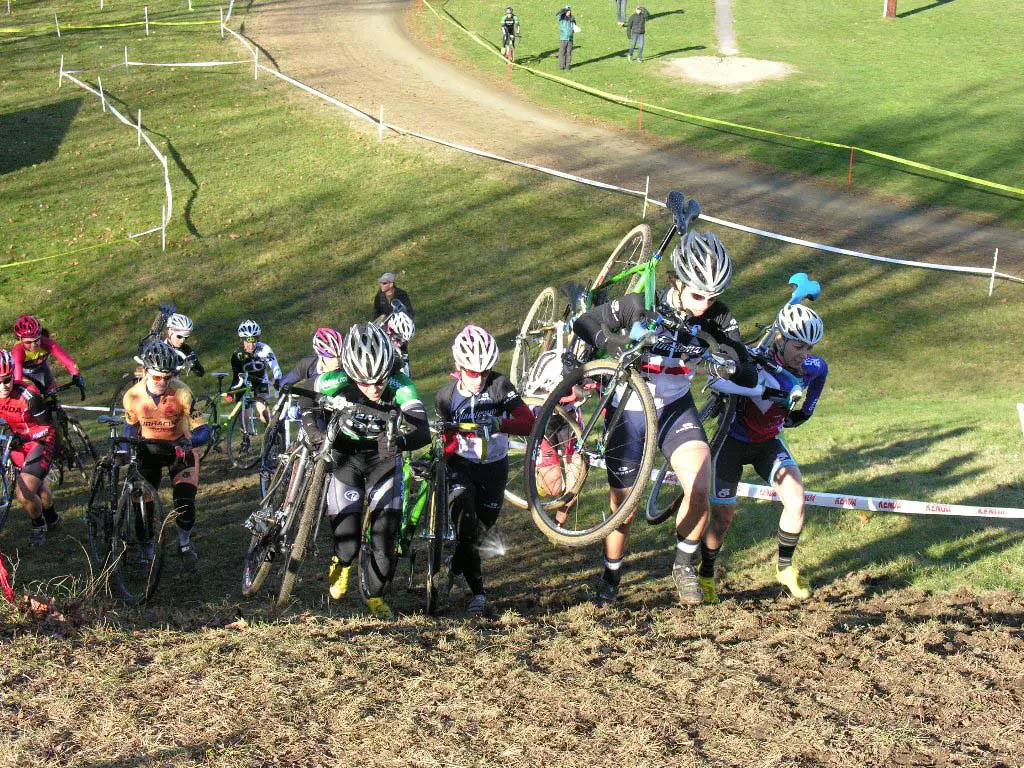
[(27, 327), (6, 364), (327, 342)]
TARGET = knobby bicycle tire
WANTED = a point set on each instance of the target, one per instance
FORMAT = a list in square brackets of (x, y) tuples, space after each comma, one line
[(10, 480), (716, 415), (310, 509), (272, 445), (135, 576), (437, 530), (593, 458), (633, 249), (206, 407), (244, 443), (519, 502), (99, 515), (542, 314), (263, 547), (127, 381), (80, 448)]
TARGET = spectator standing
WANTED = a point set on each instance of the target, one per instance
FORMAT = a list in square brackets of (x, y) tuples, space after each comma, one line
[(635, 28), (620, 12), (389, 293), (566, 28)]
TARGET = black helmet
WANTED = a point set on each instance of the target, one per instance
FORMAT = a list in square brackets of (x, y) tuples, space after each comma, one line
[(508, 9), (160, 356)]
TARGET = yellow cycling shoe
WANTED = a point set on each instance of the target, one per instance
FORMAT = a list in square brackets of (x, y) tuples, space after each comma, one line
[(379, 609), (707, 588), (337, 579), (789, 577)]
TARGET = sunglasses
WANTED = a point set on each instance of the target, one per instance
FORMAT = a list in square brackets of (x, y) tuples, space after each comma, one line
[(33, 340), (181, 336), (160, 376), (702, 297), (472, 374), (6, 382), (251, 339)]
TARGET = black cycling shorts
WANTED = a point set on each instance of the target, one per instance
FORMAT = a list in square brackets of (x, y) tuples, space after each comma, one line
[(766, 458)]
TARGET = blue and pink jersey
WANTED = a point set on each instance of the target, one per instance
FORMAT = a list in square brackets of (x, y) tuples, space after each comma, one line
[(758, 421)]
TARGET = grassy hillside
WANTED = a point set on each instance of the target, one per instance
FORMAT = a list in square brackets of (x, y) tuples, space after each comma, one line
[(887, 85)]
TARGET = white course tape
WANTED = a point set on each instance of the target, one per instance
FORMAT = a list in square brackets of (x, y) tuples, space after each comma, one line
[(97, 408), (839, 501), (185, 63)]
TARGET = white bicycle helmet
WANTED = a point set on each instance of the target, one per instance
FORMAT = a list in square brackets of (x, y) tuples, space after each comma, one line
[(368, 355), (801, 323), (327, 342), (179, 323), (702, 263), (161, 357), (545, 375), (475, 349), (401, 326), (249, 329)]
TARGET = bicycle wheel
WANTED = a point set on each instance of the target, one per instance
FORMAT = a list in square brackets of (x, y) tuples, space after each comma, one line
[(536, 335), (436, 532), (245, 436), (274, 523), (550, 473), (271, 448), (716, 414), (126, 382), (79, 448), (9, 493), (633, 249), (208, 408), (603, 398), (99, 515), (310, 509), (137, 546)]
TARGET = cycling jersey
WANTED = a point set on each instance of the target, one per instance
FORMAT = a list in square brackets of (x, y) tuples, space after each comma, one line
[(498, 402), (669, 363), (170, 416), (27, 416), (260, 367), (306, 368), (509, 28), (33, 364), (759, 420), (361, 432)]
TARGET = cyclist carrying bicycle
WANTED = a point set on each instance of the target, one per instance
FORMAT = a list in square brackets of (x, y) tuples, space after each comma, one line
[(25, 412), (477, 460), (400, 328), (698, 321), (31, 355), (509, 31), (327, 346), (161, 408), (174, 328), (256, 364), (754, 439), (366, 455)]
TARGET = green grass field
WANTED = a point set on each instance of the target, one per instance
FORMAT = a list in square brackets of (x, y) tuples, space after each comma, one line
[(275, 220), (921, 87)]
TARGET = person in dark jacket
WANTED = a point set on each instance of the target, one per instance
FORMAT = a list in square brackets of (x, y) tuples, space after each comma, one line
[(635, 28), (384, 303)]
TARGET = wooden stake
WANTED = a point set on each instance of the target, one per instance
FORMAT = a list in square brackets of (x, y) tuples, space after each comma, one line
[(849, 175), (139, 125), (60, 77), (992, 280), (126, 58), (145, 10), (647, 191), (103, 99), (56, 23)]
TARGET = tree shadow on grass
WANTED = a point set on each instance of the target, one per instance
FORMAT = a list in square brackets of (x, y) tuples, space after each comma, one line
[(537, 57), (661, 54), (923, 8), (674, 12), (33, 136)]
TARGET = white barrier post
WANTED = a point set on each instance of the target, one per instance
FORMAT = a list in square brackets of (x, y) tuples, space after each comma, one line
[(992, 281), (380, 126), (231, 6), (163, 227), (103, 100), (8, 7), (1020, 412), (255, 63), (145, 10), (126, 58), (60, 77), (190, 5), (101, 5), (56, 23), (222, 22), (139, 126), (647, 189)]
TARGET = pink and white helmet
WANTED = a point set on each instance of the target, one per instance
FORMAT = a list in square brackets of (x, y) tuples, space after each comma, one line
[(475, 349), (327, 342)]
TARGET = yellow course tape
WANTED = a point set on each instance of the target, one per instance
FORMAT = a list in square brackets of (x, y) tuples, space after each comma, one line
[(66, 253), (626, 101)]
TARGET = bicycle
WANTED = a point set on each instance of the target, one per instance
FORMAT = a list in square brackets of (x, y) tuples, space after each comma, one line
[(8, 472), (125, 520), (602, 389), (720, 407), (508, 45), (242, 429), (73, 450), (276, 439)]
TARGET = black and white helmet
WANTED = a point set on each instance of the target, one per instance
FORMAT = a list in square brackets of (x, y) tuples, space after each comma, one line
[(249, 329), (475, 349), (161, 357), (179, 323), (801, 323), (401, 326), (368, 355), (545, 375), (702, 263)]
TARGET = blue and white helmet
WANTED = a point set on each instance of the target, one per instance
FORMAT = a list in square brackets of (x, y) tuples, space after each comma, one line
[(249, 329), (801, 323)]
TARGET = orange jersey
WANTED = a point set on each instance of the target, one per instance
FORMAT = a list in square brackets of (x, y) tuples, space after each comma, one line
[(170, 417)]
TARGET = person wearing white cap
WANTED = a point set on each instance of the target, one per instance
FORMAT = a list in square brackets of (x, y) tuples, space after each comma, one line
[(390, 298)]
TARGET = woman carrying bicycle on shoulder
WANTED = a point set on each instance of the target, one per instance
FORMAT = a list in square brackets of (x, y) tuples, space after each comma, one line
[(703, 271), (754, 439), (478, 460), (366, 453), (25, 412)]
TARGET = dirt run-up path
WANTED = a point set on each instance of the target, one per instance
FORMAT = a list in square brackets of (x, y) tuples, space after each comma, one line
[(360, 52)]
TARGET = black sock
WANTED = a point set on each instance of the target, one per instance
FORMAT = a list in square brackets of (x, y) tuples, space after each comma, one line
[(613, 571), (787, 546), (687, 552), (707, 559), (39, 522), (50, 515)]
